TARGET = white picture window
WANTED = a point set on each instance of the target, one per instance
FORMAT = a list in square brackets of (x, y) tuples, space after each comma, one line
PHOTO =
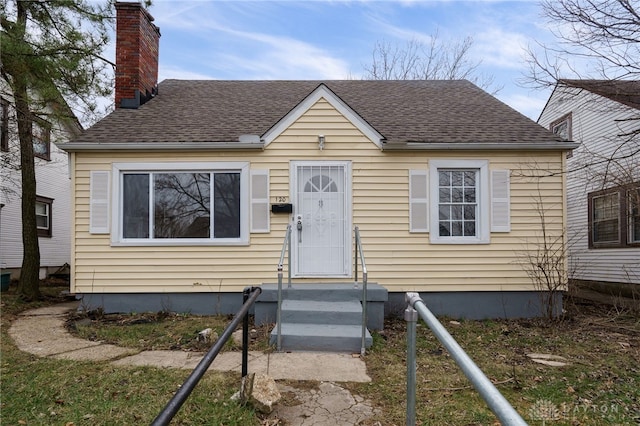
[(186, 203), (459, 201)]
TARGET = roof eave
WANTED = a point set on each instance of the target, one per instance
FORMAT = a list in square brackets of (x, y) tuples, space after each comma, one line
[(161, 146), (470, 146)]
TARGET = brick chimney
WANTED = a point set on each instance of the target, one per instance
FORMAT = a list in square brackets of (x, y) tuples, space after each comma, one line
[(137, 41)]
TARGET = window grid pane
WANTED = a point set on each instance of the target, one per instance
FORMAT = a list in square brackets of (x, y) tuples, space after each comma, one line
[(606, 218), (458, 208)]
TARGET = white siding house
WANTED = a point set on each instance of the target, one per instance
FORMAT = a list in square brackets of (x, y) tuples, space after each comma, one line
[(53, 186), (175, 210), (603, 180)]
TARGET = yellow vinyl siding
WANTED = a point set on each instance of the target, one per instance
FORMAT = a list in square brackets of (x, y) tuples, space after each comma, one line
[(396, 259)]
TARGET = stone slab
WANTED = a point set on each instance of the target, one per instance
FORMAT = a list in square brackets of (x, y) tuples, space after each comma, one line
[(102, 352)]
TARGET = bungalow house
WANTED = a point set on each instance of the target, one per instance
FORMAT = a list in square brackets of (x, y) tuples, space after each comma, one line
[(53, 186), (603, 180), (182, 195)]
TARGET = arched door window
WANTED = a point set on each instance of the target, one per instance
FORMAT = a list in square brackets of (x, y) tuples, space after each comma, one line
[(320, 183)]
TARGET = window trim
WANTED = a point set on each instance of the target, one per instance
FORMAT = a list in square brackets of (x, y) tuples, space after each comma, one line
[(4, 126), (46, 127), (483, 233), (568, 118), (48, 231), (629, 214), (624, 222), (118, 169)]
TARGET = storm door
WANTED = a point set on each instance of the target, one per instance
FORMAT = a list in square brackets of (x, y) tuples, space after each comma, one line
[(321, 220)]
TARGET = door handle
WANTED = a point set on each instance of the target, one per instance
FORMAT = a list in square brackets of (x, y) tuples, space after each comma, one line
[(299, 226)]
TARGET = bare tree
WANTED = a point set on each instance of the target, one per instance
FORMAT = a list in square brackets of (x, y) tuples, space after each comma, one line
[(596, 39), (433, 60), (596, 60), (51, 53)]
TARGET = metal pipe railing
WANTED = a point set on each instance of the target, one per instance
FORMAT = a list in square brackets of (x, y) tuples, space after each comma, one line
[(492, 396), (250, 294), (358, 249), (411, 317), (286, 246)]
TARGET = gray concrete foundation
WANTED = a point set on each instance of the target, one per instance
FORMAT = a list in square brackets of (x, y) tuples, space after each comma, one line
[(477, 305), (193, 303), (468, 305)]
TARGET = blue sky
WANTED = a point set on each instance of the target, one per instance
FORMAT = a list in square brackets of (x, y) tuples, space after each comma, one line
[(248, 40)]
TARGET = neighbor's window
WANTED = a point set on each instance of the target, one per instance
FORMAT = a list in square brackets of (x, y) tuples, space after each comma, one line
[(184, 205), (614, 217), (43, 216), (633, 203), (459, 201), (562, 127), (41, 131), (4, 125)]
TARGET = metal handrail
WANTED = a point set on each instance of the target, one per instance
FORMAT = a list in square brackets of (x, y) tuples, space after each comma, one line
[(491, 395), (286, 246), (250, 294), (358, 249)]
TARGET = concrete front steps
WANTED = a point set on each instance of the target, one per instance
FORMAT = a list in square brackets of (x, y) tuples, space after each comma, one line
[(311, 325), (323, 316)]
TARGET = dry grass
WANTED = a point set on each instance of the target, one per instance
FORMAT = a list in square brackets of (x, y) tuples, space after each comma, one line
[(600, 386)]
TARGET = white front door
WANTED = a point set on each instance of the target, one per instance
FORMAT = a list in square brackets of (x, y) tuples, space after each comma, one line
[(321, 219)]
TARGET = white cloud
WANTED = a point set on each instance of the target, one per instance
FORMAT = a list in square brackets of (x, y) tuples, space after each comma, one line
[(174, 72), (500, 48), (284, 57), (248, 54)]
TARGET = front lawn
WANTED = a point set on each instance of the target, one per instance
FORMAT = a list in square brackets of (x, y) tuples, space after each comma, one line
[(599, 386)]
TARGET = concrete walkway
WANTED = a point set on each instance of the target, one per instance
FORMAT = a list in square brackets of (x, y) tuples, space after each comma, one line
[(42, 332)]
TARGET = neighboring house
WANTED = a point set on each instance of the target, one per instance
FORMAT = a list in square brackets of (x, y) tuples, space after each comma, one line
[(603, 180), (53, 186), (182, 195)]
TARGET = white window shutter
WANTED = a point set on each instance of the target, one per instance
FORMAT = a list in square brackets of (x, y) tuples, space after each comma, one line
[(99, 202), (260, 201), (500, 204), (418, 201)]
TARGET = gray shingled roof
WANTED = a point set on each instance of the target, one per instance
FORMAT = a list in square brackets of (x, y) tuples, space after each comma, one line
[(430, 112), (626, 92)]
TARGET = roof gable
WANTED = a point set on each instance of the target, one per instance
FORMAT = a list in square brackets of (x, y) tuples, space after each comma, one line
[(320, 92)]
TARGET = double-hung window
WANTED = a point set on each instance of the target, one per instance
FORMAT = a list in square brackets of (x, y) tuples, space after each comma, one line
[(181, 203), (459, 199), (458, 202), (614, 217), (43, 216)]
